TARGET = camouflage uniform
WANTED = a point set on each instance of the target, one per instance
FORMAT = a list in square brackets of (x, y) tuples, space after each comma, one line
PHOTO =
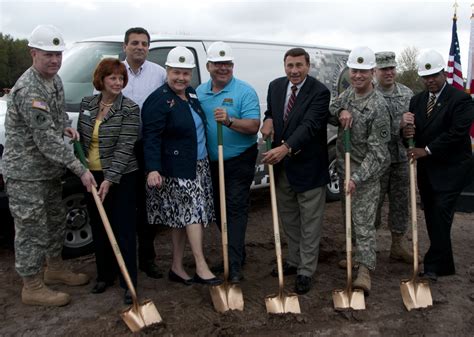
[(33, 162), (395, 179), (370, 134)]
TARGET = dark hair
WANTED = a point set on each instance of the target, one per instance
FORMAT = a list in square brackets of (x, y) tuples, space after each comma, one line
[(108, 67), (295, 52), (136, 30)]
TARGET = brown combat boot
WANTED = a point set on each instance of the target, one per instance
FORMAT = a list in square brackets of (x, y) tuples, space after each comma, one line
[(343, 264), (397, 251), (56, 272), (363, 280), (34, 292)]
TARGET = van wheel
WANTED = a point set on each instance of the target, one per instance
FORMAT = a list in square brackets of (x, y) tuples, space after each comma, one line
[(78, 238), (332, 189)]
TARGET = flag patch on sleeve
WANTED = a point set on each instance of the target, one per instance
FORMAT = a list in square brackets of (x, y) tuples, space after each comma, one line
[(40, 105)]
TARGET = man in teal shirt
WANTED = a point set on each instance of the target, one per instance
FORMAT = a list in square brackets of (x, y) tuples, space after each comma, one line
[(235, 104)]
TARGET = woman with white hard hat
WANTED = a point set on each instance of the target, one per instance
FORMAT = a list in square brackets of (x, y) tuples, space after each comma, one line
[(179, 187)]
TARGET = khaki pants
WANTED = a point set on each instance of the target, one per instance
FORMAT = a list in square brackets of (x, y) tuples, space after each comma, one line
[(301, 216)]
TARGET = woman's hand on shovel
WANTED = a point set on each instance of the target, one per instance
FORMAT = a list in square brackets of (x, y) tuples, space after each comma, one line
[(104, 189)]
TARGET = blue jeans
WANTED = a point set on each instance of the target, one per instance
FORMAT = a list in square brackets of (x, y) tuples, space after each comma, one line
[(239, 173)]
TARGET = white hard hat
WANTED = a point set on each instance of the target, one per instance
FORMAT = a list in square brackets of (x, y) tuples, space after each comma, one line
[(180, 57), (219, 52), (361, 58), (47, 38), (430, 62)]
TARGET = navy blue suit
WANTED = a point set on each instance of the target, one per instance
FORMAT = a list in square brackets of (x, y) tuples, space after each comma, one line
[(443, 174), (169, 133)]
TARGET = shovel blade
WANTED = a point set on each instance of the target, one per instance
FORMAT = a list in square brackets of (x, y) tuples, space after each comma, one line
[(282, 304), (344, 299), (140, 316), (227, 297), (416, 294)]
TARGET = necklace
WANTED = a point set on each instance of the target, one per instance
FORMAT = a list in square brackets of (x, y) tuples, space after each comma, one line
[(105, 105)]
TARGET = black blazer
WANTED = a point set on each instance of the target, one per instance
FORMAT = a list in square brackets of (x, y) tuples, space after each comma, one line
[(169, 133), (446, 134), (305, 132)]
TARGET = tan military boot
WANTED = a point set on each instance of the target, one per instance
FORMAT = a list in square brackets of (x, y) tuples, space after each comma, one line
[(34, 292), (343, 264), (363, 279), (397, 251), (56, 272)]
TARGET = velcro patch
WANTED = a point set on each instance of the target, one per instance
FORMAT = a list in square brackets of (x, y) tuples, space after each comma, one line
[(40, 105), (39, 119), (383, 130)]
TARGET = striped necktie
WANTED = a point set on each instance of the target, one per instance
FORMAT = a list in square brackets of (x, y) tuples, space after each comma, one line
[(291, 102), (430, 106)]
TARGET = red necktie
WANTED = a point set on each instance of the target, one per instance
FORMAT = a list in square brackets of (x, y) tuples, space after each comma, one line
[(291, 102)]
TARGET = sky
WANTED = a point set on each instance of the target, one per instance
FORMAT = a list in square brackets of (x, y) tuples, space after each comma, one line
[(380, 25)]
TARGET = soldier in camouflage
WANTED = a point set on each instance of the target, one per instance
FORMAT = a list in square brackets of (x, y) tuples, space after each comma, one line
[(34, 160), (394, 181), (364, 110)]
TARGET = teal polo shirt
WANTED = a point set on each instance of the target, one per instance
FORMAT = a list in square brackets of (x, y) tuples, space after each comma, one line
[(240, 101)]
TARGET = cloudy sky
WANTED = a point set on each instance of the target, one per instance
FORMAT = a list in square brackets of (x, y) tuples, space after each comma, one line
[(381, 25)]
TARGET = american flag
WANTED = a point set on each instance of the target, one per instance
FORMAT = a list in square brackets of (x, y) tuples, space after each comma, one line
[(454, 61)]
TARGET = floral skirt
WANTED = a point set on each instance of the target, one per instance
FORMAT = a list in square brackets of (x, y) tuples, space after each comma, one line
[(181, 202)]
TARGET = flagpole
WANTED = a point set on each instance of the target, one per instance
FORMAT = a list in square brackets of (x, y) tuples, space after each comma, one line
[(470, 58)]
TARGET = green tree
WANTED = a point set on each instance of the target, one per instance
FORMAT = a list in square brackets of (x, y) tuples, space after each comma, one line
[(408, 69), (14, 60)]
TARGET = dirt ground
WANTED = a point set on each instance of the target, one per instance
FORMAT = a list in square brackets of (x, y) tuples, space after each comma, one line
[(188, 311)]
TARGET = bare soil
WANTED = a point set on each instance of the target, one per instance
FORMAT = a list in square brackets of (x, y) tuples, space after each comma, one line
[(188, 311)]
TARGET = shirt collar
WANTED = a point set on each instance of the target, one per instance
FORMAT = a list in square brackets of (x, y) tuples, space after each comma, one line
[(437, 94), (130, 70), (227, 88), (299, 85)]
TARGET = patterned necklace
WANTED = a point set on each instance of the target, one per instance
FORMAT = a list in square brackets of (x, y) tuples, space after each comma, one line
[(104, 106)]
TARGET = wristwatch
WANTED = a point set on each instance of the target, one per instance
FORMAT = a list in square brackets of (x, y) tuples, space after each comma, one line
[(290, 151), (231, 120)]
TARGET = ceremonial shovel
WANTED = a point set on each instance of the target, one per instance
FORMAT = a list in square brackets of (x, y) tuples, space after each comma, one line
[(348, 298), (281, 303), (225, 296), (138, 315), (415, 293)]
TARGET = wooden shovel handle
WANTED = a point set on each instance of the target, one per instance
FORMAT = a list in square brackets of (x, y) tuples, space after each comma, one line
[(411, 144), (276, 228), (225, 243), (348, 205)]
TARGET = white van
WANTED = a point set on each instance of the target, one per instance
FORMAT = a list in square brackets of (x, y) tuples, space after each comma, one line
[(256, 62)]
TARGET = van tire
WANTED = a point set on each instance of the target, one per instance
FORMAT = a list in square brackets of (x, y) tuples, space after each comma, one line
[(332, 188), (78, 239)]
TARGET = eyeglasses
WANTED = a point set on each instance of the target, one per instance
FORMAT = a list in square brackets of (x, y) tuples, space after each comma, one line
[(223, 64)]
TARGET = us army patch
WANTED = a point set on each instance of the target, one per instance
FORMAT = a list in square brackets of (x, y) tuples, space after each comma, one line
[(383, 130), (39, 119)]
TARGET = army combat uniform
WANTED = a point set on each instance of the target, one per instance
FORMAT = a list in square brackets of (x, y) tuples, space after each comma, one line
[(370, 134), (394, 181), (34, 160)]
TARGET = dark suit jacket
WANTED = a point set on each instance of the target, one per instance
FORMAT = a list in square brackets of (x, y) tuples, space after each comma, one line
[(446, 133), (305, 132), (169, 133)]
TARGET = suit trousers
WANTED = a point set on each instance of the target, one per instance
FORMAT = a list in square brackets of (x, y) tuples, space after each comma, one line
[(301, 216), (119, 204), (439, 208), (239, 173)]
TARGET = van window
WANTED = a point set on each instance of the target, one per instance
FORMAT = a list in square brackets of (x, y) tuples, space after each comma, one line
[(78, 66), (158, 55)]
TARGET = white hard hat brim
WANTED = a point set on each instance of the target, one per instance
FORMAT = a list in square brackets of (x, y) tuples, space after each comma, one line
[(220, 59), (179, 65), (52, 48), (430, 72), (360, 66)]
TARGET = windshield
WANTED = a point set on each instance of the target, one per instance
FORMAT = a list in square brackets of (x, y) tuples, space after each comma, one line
[(78, 66)]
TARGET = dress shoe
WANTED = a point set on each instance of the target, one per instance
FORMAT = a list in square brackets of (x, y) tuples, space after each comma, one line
[(100, 287), (127, 297), (210, 281), (235, 276), (287, 270), (151, 270), (173, 277), (302, 284), (432, 276)]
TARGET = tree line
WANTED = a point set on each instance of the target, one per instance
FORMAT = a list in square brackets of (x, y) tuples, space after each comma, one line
[(15, 59)]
